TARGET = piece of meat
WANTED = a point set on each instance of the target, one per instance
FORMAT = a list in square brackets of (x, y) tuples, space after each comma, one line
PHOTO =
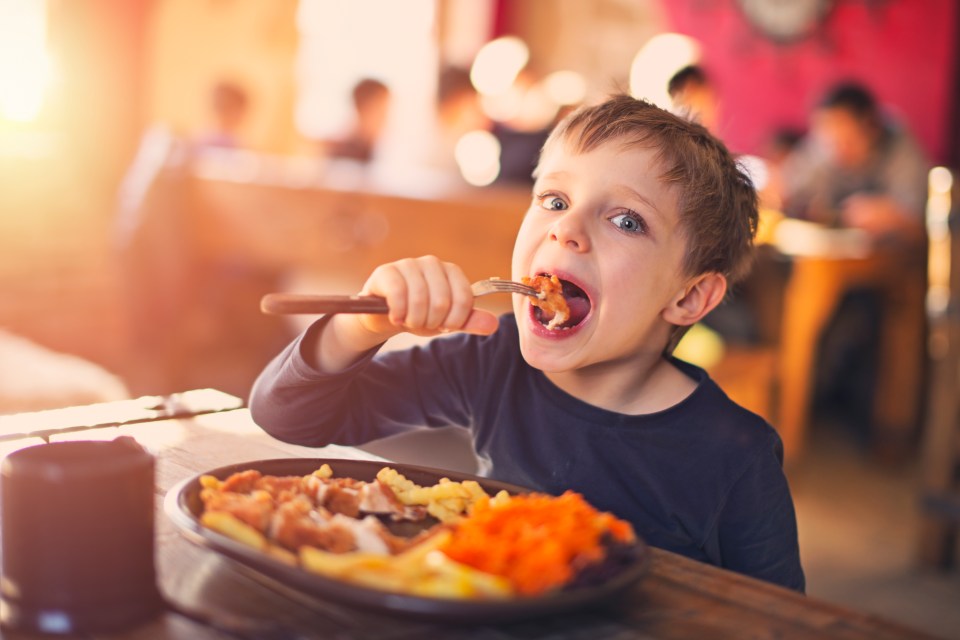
[(254, 509), (550, 299), (345, 500), (242, 481)]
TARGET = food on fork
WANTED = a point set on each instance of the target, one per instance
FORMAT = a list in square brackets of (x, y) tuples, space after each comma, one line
[(469, 545), (549, 298)]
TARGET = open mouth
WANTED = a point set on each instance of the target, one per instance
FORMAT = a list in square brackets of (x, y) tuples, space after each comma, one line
[(551, 313)]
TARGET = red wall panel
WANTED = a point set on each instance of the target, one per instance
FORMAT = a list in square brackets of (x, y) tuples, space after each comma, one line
[(904, 50)]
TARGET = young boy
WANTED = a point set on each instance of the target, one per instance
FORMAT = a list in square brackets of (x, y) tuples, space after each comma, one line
[(645, 218)]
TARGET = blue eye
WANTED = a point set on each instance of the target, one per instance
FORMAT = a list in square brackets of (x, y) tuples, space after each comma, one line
[(552, 203), (629, 222)]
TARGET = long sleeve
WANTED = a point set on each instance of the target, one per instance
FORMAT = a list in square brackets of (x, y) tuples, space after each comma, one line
[(379, 395)]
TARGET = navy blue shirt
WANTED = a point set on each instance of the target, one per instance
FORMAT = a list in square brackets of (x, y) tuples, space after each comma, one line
[(702, 478)]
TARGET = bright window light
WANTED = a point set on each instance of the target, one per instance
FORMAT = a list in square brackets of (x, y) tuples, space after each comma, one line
[(941, 180), (340, 44), (478, 155), (566, 87), (497, 64), (25, 65), (939, 250), (656, 62)]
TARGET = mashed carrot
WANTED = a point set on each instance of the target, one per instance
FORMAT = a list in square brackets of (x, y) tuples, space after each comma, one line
[(536, 541)]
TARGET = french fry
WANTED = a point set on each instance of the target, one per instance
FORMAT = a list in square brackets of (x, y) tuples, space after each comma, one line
[(447, 501), (341, 565), (283, 555), (416, 555), (421, 570), (450, 579), (364, 569), (210, 482), (323, 472), (230, 526)]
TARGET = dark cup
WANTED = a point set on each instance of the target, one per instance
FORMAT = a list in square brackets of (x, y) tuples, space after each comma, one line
[(78, 537)]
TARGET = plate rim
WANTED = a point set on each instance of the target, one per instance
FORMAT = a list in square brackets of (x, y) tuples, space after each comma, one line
[(318, 586)]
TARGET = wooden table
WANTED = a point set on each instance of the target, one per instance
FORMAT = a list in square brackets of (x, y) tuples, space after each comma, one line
[(679, 598)]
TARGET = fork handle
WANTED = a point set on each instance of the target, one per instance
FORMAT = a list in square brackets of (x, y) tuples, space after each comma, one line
[(302, 303)]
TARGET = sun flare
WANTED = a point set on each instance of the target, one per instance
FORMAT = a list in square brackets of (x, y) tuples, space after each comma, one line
[(26, 68)]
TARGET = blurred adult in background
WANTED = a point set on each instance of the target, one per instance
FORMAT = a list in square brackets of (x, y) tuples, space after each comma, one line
[(519, 119), (777, 149), (458, 106), (371, 103), (458, 112), (694, 96), (522, 133), (858, 168), (229, 104)]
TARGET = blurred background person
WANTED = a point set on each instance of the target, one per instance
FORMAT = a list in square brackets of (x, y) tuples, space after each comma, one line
[(781, 144), (229, 106), (858, 168), (371, 105), (527, 115), (458, 107), (458, 112), (693, 95)]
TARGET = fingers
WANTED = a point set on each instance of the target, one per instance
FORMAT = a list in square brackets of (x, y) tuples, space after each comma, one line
[(481, 323), (460, 301), (425, 295)]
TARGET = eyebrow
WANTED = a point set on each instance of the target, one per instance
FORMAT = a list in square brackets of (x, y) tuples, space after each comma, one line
[(633, 193)]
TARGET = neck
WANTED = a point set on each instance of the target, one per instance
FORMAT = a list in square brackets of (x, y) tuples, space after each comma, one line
[(640, 386)]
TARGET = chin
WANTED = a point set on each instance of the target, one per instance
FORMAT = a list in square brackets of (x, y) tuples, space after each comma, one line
[(546, 349), (545, 362)]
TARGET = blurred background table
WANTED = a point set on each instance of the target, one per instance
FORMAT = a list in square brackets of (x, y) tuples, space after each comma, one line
[(827, 264)]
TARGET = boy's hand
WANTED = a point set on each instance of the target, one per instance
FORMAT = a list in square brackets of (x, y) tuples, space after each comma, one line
[(426, 297)]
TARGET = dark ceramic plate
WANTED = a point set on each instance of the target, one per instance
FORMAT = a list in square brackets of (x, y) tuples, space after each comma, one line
[(183, 506)]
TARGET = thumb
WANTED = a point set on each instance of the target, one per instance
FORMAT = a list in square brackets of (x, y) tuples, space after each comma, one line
[(481, 323)]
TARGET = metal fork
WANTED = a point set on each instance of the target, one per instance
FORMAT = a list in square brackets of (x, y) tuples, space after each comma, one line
[(295, 303), (496, 285)]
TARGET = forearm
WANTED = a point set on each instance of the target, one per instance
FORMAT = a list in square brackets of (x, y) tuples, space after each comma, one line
[(883, 216), (295, 401), (338, 343), (372, 398)]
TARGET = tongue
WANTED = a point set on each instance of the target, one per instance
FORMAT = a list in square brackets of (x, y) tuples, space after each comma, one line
[(579, 308)]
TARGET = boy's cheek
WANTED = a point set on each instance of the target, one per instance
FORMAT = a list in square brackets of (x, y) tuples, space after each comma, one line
[(528, 237), (519, 265)]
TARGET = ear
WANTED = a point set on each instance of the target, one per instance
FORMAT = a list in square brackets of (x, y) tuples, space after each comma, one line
[(698, 298)]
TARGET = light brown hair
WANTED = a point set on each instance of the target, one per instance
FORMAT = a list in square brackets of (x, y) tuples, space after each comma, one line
[(716, 199)]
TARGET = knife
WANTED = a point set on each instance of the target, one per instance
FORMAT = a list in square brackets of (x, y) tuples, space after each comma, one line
[(304, 303)]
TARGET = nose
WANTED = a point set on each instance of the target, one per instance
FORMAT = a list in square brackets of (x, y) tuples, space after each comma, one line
[(570, 231)]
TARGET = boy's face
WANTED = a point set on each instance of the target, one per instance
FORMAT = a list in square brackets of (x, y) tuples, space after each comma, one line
[(608, 227)]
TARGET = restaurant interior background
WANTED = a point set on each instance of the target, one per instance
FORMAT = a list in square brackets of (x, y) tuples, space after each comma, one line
[(114, 287)]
